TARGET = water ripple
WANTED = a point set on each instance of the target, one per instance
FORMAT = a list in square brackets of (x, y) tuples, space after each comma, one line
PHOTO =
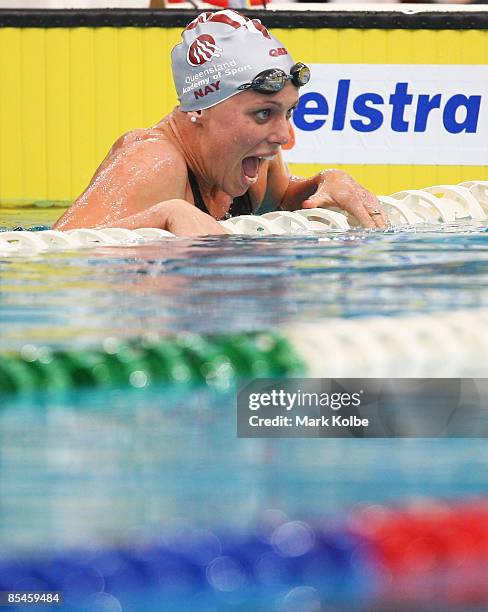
[(236, 283)]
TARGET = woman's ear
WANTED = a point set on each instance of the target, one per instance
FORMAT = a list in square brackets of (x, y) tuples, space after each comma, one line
[(195, 116)]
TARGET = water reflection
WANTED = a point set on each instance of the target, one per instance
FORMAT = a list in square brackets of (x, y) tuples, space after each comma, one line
[(112, 465), (238, 283)]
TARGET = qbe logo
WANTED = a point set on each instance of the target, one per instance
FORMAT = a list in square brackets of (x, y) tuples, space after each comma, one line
[(392, 114)]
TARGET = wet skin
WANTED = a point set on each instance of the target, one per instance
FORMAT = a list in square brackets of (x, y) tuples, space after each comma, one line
[(143, 181)]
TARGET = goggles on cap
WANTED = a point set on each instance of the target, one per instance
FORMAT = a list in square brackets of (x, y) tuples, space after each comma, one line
[(273, 80)]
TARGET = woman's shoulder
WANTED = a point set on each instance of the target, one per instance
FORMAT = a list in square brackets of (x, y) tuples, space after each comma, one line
[(151, 146), (142, 136)]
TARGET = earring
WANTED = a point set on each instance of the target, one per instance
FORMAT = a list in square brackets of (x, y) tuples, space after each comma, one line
[(193, 119)]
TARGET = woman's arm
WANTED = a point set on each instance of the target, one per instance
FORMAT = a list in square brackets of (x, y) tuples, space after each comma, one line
[(131, 180), (329, 188), (176, 216)]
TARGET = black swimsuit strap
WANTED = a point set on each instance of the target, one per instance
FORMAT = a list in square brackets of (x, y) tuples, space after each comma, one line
[(197, 196), (241, 205)]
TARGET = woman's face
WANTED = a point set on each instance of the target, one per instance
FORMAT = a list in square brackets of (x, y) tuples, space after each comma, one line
[(243, 130)]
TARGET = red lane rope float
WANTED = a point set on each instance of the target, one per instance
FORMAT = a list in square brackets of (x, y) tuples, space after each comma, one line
[(435, 552)]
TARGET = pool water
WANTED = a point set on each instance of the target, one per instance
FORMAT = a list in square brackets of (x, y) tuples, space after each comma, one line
[(119, 465), (110, 466), (239, 283)]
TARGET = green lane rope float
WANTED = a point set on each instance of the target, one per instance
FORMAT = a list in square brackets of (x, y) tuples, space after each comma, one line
[(186, 358), (25, 204), (432, 345)]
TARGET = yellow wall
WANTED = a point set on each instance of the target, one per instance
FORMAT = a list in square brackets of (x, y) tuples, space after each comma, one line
[(67, 94)]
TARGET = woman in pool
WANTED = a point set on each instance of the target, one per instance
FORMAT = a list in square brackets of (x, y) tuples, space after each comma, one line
[(218, 154)]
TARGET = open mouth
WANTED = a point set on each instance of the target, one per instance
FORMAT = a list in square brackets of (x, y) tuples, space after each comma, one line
[(250, 167)]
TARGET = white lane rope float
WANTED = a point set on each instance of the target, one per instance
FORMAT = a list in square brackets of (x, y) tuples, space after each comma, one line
[(433, 205), (435, 345)]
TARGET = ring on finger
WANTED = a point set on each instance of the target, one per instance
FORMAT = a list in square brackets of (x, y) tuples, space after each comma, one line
[(375, 212)]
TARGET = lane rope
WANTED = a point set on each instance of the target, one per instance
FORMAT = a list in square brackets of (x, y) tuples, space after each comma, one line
[(378, 555), (433, 345), (433, 205)]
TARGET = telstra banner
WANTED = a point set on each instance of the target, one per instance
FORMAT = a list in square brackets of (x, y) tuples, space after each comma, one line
[(393, 114)]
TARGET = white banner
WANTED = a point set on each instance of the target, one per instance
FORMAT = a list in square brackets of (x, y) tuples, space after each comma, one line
[(392, 114)]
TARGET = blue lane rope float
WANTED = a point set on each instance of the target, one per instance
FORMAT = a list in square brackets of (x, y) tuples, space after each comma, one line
[(200, 565), (370, 558)]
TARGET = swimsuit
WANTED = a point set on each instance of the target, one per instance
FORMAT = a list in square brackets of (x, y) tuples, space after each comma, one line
[(240, 206)]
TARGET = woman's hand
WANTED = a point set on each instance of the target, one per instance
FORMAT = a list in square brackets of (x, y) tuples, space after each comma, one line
[(176, 216), (185, 219), (337, 188)]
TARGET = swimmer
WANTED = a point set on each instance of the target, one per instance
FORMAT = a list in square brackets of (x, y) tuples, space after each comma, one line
[(218, 153)]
